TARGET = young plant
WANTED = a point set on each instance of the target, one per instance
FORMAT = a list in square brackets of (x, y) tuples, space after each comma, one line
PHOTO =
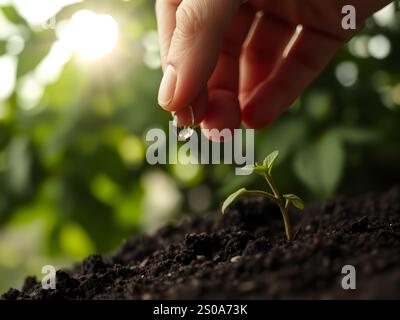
[(282, 201)]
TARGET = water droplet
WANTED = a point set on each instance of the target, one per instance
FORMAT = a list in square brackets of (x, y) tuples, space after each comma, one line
[(185, 133)]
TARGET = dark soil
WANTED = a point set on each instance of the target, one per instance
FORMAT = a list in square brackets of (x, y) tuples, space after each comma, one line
[(244, 255)]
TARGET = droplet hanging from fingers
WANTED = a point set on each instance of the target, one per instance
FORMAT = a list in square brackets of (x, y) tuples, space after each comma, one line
[(185, 132)]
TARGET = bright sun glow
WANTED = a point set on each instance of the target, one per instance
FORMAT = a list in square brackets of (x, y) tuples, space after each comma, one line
[(91, 35)]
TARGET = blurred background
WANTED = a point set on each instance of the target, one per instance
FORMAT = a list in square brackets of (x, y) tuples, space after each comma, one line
[(78, 91)]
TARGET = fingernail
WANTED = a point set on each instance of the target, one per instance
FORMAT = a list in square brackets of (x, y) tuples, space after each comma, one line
[(167, 87)]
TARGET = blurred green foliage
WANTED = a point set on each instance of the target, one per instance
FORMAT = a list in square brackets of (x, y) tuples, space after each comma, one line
[(73, 175)]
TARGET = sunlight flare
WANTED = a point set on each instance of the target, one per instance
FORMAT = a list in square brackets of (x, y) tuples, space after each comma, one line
[(91, 35)]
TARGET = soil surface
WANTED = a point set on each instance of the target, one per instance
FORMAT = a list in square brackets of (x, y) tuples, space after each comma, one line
[(244, 255)]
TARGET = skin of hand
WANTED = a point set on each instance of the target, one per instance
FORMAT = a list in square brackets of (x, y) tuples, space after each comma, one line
[(230, 61)]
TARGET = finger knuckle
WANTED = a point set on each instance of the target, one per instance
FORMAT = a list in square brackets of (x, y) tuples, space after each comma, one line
[(189, 20)]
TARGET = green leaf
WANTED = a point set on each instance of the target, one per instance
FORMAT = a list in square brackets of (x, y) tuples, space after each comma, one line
[(34, 52), (284, 136), (260, 169), (3, 47), (13, 16), (270, 160), (356, 135), (256, 168), (243, 191), (320, 165), (232, 198), (297, 201)]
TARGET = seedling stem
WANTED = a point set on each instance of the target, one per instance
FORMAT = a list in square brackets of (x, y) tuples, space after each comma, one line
[(282, 201)]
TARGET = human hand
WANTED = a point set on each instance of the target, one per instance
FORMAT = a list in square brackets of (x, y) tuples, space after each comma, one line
[(231, 62)]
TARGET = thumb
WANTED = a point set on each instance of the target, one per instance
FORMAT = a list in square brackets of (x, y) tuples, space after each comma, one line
[(194, 50)]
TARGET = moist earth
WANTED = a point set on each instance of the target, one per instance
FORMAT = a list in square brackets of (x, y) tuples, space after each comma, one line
[(244, 255)]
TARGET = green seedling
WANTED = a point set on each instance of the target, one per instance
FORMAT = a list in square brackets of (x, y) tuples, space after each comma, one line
[(282, 201)]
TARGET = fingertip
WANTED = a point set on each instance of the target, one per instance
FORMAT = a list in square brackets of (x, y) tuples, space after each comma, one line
[(195, 113), (223, 112), (167, 88), (259, 116)]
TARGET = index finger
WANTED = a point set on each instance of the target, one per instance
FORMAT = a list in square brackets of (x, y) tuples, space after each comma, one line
[(166, 23)]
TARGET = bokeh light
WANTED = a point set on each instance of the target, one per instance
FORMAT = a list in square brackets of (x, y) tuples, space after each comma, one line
[(379, 47), (8, 67), (91, 35), (347, 73)]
